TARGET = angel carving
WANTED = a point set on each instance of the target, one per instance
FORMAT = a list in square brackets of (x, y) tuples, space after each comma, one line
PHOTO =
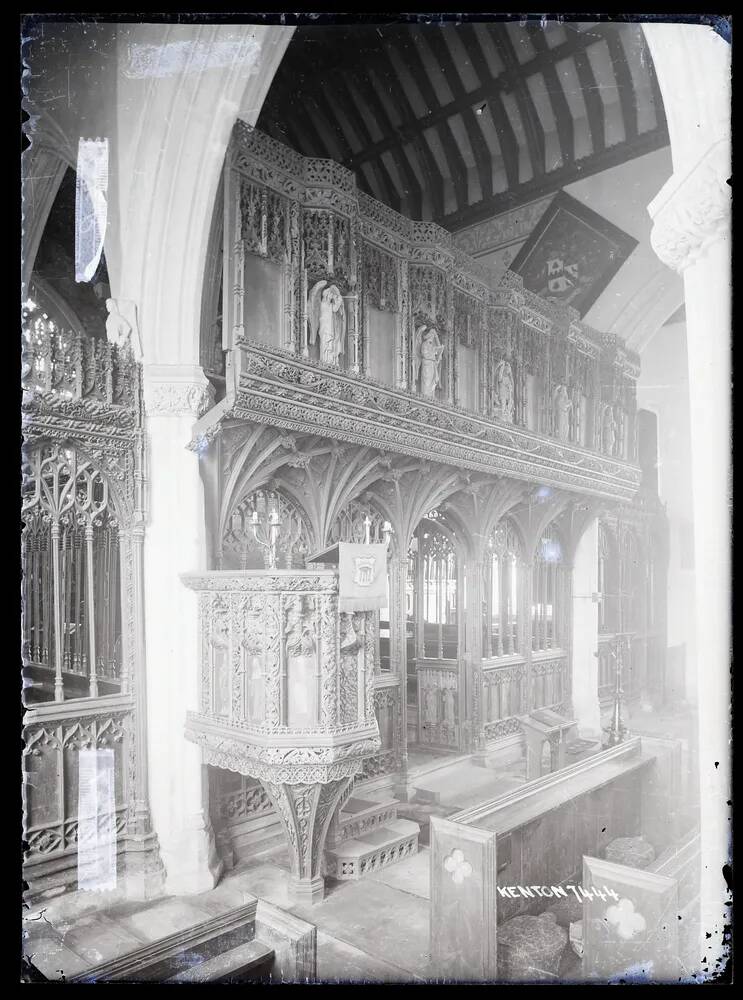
[(326, 315), (427, 354), (121, 325)]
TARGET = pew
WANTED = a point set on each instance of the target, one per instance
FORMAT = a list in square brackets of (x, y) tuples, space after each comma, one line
[(490, 863)]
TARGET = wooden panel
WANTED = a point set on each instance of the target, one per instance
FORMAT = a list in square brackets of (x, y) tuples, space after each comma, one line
[(463, 903), (633, 938), (381, 360)]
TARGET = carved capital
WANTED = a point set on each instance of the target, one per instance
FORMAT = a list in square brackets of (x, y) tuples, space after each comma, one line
[(693, 211), (176, 391)]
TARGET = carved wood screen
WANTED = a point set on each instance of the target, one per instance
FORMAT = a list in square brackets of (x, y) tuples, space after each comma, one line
[(437, 584), (502, 586), (71, 583), (549, 605)]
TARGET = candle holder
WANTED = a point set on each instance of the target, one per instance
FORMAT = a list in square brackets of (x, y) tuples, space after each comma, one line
[(617, 731), (266, 533)]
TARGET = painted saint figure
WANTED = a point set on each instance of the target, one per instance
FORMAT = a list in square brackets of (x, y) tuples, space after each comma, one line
[(504, 394), (563, 406), (608, 431), (427, 360), (326, 315)]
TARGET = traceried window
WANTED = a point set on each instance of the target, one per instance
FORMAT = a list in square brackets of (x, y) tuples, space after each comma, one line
[(71, 579), (501, 592), (261, 519), (549, 579)]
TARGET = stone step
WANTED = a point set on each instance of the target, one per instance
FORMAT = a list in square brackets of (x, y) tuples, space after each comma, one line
[(245, 963), (166, 957), (361, 815), (376, 849)]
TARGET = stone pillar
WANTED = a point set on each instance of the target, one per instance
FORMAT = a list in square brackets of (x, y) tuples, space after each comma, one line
[(691, 234), (305, 811), (145, 874), (585, 623), (175, 395)]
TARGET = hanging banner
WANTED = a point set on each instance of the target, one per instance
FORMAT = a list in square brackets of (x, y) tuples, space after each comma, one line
[(362, 577), (91, 208)]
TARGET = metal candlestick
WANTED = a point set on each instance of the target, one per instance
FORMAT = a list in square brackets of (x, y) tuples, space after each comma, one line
[(617, 731), (269, 530)]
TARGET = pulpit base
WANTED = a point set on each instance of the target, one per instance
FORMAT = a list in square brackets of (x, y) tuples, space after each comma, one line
[(305, 811)]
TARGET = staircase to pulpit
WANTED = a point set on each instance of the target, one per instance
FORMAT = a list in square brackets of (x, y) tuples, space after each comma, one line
[(367, 835)]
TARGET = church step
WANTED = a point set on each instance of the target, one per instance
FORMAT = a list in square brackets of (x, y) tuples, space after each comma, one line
[(167, 957), (377, 849), (361, 815), (246, 963)]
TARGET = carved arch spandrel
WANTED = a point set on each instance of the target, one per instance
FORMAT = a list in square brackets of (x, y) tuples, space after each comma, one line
[(251, 464), (534, 515), (574, 521)]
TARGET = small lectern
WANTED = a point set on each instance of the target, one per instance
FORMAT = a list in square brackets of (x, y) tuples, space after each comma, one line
[(546, 727)]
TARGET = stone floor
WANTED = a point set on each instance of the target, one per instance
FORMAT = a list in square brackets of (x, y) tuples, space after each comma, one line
[(375, 929), (71, 933), (372, 930)]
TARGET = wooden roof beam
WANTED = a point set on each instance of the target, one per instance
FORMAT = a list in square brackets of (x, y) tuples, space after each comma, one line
[(416, 139), (507, 141), (528, 112), (558, 101), (377, 108), (457, 166), (474, 133)]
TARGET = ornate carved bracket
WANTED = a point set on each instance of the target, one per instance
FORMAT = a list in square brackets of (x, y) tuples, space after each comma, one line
[(692, 212), (176, 391)]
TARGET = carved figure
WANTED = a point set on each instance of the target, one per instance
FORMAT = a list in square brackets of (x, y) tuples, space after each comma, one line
[(504, 400), (563, 405), (300, 639), (427, 354), (349, 637), (327, 318), (121, 325), (608, 431)]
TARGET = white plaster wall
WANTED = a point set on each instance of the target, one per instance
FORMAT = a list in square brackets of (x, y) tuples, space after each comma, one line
[(585, 633)]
